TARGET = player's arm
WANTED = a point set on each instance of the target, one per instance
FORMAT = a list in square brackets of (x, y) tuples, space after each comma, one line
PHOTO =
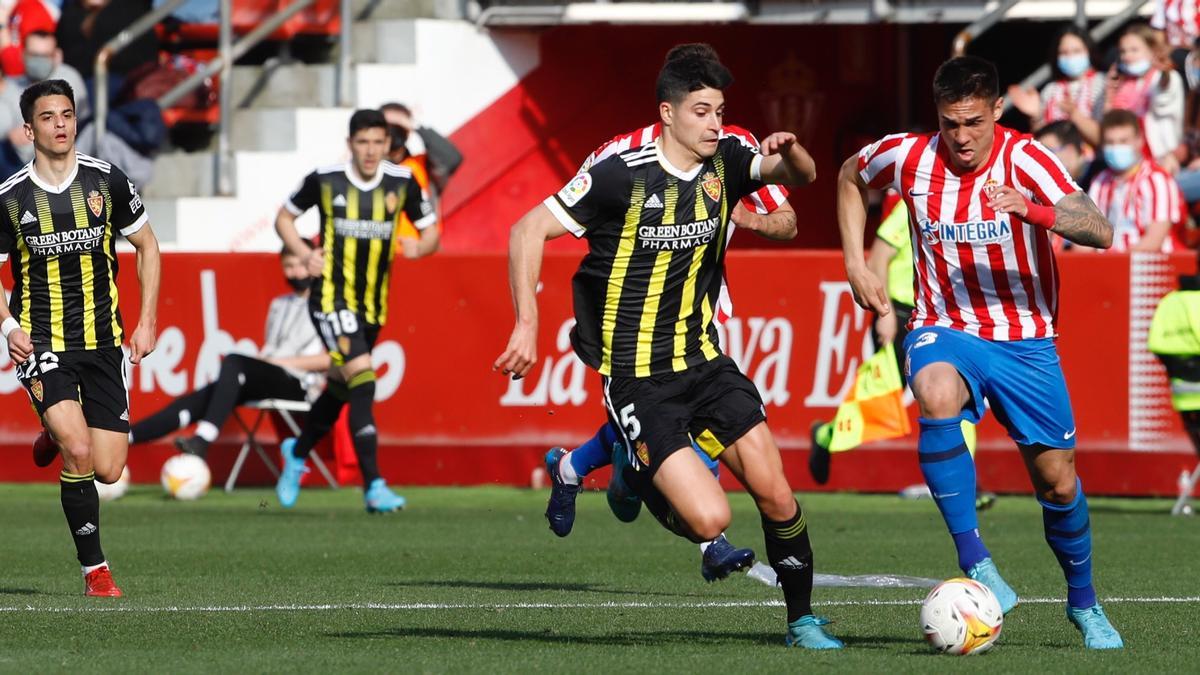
[(786, 161), (20, 346), (313, 363), (866, 286), (149, 267), (304, 198), (779, 224), (421, 214), (878, 260), (1152, 240), (526, 245)]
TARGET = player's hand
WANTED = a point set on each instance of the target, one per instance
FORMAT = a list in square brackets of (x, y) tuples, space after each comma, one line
[(521, 354), (316, 262), (777, 142), (868, 290), (741, 217), (885, 328), (20, 346), (1005, 199), (141, 343)]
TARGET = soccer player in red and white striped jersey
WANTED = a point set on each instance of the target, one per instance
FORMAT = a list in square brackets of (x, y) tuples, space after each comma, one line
[(1139, 197), (982, 201)]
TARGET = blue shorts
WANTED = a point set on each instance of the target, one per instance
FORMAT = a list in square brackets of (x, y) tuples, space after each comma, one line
[(1022, 380)]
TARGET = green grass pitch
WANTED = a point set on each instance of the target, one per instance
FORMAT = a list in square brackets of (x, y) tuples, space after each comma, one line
[(471, 580)]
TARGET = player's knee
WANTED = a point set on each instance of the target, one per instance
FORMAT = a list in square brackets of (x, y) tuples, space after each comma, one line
[(77, 451), (108, 474), (710, 523), (1060, 489), (779, 506)]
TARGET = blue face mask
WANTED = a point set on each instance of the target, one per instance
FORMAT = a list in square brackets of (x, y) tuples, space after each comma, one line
[(1119, 157), (1137, 68), (1074, 65)]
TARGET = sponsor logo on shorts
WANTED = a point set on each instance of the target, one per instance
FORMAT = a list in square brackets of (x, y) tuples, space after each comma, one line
[(925, 340), (1069, 435), (95, 202), (125, 415), (35, 387)]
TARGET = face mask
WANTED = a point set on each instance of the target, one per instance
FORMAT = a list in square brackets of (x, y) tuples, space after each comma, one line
[(1193, 76), (300, 285), (1119, 157), (38, 68), (1137, 68), (1074, 65)]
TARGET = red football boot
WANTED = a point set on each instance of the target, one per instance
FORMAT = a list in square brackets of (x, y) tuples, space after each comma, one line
[(99, 584), (44, 449)]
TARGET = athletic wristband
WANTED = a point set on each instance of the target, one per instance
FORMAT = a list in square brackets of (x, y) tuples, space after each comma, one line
[(10, 324), (1042, 216)]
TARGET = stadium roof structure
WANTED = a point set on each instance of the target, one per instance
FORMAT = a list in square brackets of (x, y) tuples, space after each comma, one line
[(495, 13)]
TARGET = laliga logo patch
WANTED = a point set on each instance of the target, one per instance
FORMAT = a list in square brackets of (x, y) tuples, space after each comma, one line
[(575, 190), (711, 185), (36, 387), (95, 202)]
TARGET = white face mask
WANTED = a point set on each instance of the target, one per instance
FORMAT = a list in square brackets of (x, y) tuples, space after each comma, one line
[(1137, 68)]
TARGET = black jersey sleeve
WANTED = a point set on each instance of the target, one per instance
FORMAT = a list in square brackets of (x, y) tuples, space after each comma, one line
[(592, 197), (742, 166), (305, 196), (128, 211), (417, 206), (8, 236)]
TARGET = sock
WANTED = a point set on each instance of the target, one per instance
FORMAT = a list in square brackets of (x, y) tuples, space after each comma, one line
[(321, 418), (593, 454), (362, 424), (713, 466), (81, 505), (790, 554), (88, 569), (1068, 531), (705, 544), (207, 431), (566, 471), (950, 474)]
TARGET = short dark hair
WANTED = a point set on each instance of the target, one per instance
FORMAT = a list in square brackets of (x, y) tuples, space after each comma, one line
[(964, 77), (1069, 29), (43, 89), (42, 34), (395, 107), (1065, 131), (688, 68), (1120, 118), (368, 118)]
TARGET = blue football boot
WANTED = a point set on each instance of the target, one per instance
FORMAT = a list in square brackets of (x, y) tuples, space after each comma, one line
[(807, 632), (560, 510), (985, 572), (287, 489), (1098, 633), (380, 498), (721, 559), (622, 500)]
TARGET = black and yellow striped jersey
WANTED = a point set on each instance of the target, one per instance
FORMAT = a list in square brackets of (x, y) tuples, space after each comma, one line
[(645, 292), (62, 241), (359, 221)]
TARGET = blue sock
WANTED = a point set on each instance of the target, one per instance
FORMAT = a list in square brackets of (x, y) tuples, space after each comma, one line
[(594, 453), (713, 465), (950, 474), (1068, 531)]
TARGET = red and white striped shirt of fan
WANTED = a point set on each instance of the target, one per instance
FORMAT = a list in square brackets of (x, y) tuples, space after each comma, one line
[(991, 275), (764, 201), (1179, 19), (1132, 204)]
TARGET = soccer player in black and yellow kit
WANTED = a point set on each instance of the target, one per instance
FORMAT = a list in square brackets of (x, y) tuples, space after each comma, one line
[(361, 204), (655, 218), (59, 220)]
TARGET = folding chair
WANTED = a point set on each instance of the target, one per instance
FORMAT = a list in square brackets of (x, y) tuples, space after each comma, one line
[(262, 408), (1183, 505)]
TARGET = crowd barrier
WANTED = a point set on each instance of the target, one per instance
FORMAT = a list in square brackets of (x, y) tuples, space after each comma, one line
[(444, 417)]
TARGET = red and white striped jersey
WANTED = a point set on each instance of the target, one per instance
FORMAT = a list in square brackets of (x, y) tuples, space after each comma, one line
[(1150, 195), (765, 200), (1086, 92), (988, 274), (1179, 19)]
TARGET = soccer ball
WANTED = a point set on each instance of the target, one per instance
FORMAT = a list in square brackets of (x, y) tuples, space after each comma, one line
[(186, 477), (115, 491), (961, 616)]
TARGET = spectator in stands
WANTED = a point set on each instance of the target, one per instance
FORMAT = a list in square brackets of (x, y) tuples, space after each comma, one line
[(43, 61), (432, 151), (1138, 196), (290, 364), (86, 25), (1177, 23), (1076, 90), (1144, 82), (19, 19), (1064, 140)]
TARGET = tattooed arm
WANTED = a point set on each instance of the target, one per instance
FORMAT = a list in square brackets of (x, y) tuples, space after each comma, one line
[(1077, 220)]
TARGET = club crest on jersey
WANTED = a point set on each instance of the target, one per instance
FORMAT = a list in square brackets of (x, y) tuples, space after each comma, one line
[(990, 186), (35, 387), (579, 186), (391, 201), (95, 202), (972, 232), (711, 185)]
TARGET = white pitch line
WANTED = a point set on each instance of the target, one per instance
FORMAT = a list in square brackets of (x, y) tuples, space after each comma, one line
[(419, 606)]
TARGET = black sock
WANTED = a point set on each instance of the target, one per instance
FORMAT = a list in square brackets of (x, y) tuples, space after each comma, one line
[(655, 502), (321, 418), (791, 556), (81, 505), (362, 424)]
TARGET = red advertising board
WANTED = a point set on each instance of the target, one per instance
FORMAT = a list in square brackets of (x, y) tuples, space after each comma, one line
[(445, 418)]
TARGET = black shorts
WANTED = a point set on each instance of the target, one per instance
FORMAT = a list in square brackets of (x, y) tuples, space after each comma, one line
[(94, 377), (346, 335), (713, 403)]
